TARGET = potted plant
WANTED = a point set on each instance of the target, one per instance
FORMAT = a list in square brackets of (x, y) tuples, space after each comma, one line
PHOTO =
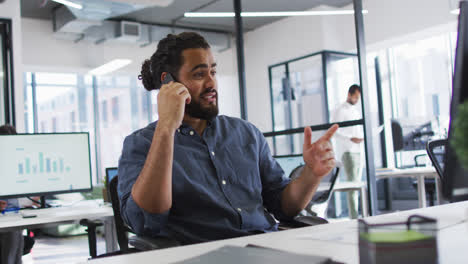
[(459, 141)]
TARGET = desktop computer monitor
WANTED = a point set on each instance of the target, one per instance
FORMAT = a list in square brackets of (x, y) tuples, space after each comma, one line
[(455, 178), (44, 164), (110, 174)]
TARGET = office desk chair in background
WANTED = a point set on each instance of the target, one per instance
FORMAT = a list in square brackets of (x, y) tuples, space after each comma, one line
[(138, 242), (416, 139), (292, 166), (319, 202), (436, 151)]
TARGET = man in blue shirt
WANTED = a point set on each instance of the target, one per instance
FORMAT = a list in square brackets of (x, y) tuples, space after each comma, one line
[(196, 176)]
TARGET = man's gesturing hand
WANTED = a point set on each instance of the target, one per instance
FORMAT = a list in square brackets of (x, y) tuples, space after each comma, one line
[(319, 156), (172, 98)]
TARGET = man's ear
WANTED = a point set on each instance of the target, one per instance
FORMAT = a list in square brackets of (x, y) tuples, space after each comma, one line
[(163, 76)]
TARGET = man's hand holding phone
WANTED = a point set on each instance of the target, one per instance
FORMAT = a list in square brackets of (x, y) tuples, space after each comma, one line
[(172, 98)]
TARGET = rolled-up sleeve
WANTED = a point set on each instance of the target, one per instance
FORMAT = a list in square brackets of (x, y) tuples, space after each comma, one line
[(273, 179), (135, 150)]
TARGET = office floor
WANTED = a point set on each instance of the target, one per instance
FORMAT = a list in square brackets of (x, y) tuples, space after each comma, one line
[(62, 250)]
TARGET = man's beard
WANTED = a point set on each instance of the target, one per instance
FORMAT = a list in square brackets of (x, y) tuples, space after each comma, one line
[(196, 110)]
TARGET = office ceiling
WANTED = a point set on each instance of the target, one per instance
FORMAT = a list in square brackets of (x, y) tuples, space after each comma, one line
[(172, 14)]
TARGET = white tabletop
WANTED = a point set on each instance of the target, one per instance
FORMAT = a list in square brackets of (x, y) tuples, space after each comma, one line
[(52, 216), (337, 240), (416, 171)]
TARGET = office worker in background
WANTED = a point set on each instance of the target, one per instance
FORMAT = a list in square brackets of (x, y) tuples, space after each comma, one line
[(349, 143), (12, 244), (196, 176)]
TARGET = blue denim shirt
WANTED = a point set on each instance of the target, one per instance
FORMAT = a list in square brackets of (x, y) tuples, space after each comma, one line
[(222, 182)]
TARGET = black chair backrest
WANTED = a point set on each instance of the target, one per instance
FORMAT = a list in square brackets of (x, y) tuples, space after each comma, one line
[(327, 181), (437, 158), (121, 228), (397, 136)]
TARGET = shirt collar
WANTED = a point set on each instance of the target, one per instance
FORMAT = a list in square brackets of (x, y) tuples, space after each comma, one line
[(185, 129)]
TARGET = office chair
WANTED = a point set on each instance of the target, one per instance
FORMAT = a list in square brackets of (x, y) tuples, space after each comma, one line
[(139, 243), (318, 203), (437, 159), (413, 141)]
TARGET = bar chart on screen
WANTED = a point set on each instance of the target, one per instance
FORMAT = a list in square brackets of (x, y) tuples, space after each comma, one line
[(38, 163)]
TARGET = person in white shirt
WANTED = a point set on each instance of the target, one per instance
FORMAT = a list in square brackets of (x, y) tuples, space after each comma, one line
[(349, 141)]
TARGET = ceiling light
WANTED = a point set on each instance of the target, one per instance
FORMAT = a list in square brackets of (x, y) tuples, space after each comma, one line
[(273, 14), (69, 3), (455, 11), (110, 67)]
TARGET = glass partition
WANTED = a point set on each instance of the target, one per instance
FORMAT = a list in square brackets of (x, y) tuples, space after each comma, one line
[(7, 114), (306, 91), (2, 80)]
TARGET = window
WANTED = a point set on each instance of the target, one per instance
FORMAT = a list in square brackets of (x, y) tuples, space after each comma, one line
[(422, 90), (77, 109), (72, 121), (103, 110), (115, 108)]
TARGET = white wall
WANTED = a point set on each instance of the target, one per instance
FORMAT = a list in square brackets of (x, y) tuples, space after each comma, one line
[(10, 9), (228, 83), (42, 51)]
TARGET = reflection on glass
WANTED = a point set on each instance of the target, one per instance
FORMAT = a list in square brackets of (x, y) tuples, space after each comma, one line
[(300, 97), (280, 95), (308, 106), (342, 72), (422, 88)]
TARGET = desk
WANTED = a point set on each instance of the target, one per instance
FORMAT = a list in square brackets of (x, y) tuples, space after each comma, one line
[(337, 240), (420, 173), (64, 215)]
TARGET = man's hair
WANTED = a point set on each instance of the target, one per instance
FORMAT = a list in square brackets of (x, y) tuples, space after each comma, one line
[(354, 88), (7, 130), (168, 57)]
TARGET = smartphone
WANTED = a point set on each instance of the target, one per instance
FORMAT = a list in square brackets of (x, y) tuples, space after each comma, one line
[(168, 79)]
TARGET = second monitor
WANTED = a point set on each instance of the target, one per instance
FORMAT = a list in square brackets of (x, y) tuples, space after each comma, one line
[(44, 164)]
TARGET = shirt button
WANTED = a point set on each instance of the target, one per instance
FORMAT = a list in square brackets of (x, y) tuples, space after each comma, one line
[(224, 182), (239, 210), (212, 153), (191, 133), (178, 130)]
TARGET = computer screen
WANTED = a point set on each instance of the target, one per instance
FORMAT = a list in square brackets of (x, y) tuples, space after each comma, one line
[(110, 174), (289, 163), (42, 164), (455, 178)]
